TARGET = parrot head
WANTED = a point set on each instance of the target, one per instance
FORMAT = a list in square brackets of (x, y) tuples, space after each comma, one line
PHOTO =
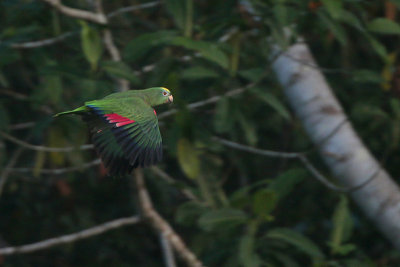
[(158, 95)]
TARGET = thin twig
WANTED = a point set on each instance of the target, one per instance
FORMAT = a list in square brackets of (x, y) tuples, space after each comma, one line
[(133, 8), (62, 37), (59, 170), (77, 13), (44, 148), (65, 239), (13, 94), (258, 151), (302, 157), (208, 101), (22, 125), (160, 224), (44, 42)]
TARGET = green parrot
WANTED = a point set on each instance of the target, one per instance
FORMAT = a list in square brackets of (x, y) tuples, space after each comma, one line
[(124, 128)]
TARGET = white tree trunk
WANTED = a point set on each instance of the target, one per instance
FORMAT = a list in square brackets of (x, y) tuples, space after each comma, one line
[(347, 157)]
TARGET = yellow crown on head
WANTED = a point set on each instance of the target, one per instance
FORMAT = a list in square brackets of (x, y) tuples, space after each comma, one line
[(166, 89)]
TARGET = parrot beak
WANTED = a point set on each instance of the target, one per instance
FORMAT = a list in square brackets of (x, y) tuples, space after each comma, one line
[(170, 99)]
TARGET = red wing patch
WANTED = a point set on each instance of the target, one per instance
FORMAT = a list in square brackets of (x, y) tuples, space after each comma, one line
[(155, 113), (118, 119)]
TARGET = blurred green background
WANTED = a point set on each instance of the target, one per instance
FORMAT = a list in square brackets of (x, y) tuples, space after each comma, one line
[(247, 210)]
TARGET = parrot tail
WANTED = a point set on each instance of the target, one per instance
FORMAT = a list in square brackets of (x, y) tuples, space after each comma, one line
[(76, 111)]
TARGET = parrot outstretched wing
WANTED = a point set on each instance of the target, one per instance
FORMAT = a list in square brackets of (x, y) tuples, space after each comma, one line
[(125, 133)]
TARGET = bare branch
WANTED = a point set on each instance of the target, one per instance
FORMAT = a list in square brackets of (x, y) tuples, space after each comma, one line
[(253, 150), (65, 239), (44, 42), (44, 148), (301, 156), (161, 225), (22, 125), (208, 101), (60, 170), (133, 8), (13, 94), (62, 37), (77, 13)]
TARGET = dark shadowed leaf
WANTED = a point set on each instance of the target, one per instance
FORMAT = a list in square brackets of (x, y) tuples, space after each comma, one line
[(272, 101), (189, 212), (208, 50), (198, 72), (334, 7), (120, 70), (177, 10), (144, 43), (285, 182), (222, 218), (223, 120), (298, 240)]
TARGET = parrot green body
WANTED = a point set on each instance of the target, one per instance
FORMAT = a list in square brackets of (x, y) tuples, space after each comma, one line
[(124, 128)]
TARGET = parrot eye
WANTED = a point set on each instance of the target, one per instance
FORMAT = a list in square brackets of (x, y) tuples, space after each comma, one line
[(164, 93)]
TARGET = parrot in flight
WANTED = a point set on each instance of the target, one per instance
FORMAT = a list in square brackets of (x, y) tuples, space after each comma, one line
[(124, 128)]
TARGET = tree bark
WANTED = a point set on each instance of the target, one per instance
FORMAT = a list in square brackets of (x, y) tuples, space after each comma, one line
[(344, 153)]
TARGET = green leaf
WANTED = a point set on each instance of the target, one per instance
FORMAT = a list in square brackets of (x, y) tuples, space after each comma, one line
[(222, 218), (252, 74), (336, 29), (120, 70), (298, 240), (342, 225), (188, 158), (91, 44), (177, 10), (272, 101), (284, 183), (384, 26), (208, 50), (367, 76), (247, 255), (379, 48), (249, 129), (334, 7), (198, 73), (285, 259), (144, 43), (350, 19), (264, 201)]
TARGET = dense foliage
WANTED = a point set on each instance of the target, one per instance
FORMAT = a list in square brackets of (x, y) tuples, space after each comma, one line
[(248, 210)]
